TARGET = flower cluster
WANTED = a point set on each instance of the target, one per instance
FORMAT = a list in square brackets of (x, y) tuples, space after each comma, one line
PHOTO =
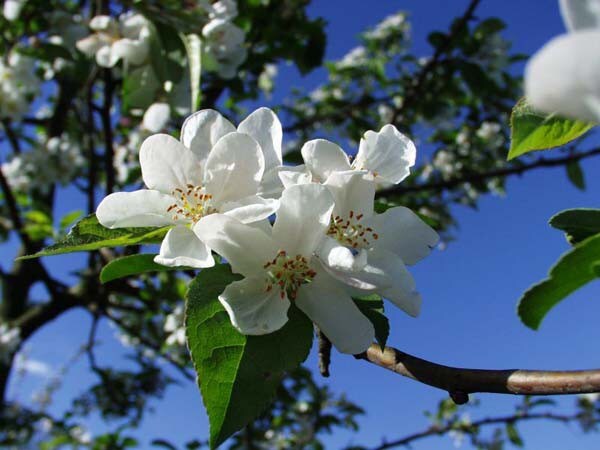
[(127, 38), (218, 189), (18, 85), (10, 339)]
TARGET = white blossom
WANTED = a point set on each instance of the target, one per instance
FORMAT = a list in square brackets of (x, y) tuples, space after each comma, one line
[(175, 327), (354, 58), (278, 265), (18, 85), (157, 117), (564, 76), (12, 9), (488, 130), (224, 42), (212, 170), (393, 23), (10, 339), (127, 38)]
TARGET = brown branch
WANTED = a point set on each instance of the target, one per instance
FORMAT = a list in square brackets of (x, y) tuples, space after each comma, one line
[(474, 177), (460, 382), (436, 430), (109, 151), (12, 137), (324, 353)]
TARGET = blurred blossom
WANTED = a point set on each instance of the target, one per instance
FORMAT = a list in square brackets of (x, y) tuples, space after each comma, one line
[(18, 84), (157, 117), (12, 9), (224, 43), (10, 339), (354, 58)]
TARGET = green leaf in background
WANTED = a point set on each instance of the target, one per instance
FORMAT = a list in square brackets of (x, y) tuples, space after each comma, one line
[(88, 235), (578, 224), (139, 88), (575, 175), (69, 218), (573, 270), (133, 265), (238, 375), (531, 130), (372, 307), (193, 47), (513, 435)]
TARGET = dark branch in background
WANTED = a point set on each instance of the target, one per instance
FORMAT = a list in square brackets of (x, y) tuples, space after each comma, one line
[(13, 211), (437, 430), (420, 82), (482, 176), (109, 151), (460, 382), (11, 135), (324, 353)]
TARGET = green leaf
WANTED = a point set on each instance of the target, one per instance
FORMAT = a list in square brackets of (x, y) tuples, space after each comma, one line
[(193, 47), (133, 265), (88, 235), (238, 375), (531, 130), (573, 270), (578, 224), (575, 175), (513, 435), (69, 218), (372, 307), (139, 88)]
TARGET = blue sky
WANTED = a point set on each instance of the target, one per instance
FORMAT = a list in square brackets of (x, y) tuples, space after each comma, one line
[(469, 289)]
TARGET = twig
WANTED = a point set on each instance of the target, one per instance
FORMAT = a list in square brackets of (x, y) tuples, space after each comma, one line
[(460, 381), (109, 151), (324, 353), (12, 137), (13, 212), (481, 176)]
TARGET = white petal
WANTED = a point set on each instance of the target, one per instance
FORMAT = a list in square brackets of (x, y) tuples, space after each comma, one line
[(103, 23), (181, 247), (90, 45), (339, 257), (201, 131), (134, 52), (403, 232), (402, 290), (251, 309), (264, 126), (246, 248), (353, 193), (157, 117), (251, 209), (322, 157), (290, 176), (167, 164), (360, 279), (564, 76), (303, 218), (234, 168), (270, 185), (336, 315), (12, 9), (105, 57), (143, 208), (580, 14), (387, 154)]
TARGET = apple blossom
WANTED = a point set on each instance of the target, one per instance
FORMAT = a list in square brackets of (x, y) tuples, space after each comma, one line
[(10, 339), (279, 265), (18, 83), (202, 129), (224, 43), (12, 9), (387, 155), (362, 244), (127, 39), (564, 76), (186, 183), (156, 117)]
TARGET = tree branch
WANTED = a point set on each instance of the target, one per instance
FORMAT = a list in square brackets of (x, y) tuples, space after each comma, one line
[(109, 151), (460, 382), (481, 176)]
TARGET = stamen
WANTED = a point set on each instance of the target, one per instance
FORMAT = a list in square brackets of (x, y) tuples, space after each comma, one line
[(287, 274), (192, 204), (351, 232)]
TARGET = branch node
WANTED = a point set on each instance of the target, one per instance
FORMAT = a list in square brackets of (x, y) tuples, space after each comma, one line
[(458, 397)]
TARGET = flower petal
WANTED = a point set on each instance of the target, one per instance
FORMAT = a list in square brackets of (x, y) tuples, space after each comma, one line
[(251, 209), (234, 168), (402, 291), (564, 76), (90, 45), (339, 257), (132, 51), (388, 154), (201, 131), (245, 247), (361, 278), (167, 164), (303, 218), (251, 309), (322, 157), (580, 14), (270, 185), (105, 57), (290, 176), (353, 193), (156, 117), (181, 247), (265, 128), (143, 208), (336, 315), (403, 232)]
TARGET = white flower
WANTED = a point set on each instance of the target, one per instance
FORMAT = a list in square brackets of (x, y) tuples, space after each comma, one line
[(370, 251), (175, 327), (127, 39), (157, 117), (564, 76), (384, 29), (354, 58), (387, 155), (203, 128), (12, 9), (488, 130), (224, 42), (223, 9), (10, 339), (18, 83), (212, 170), (279, 265)]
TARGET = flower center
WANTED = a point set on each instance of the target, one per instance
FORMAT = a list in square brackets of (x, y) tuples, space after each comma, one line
[(351, 231), (191, 204), (288, 273)]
